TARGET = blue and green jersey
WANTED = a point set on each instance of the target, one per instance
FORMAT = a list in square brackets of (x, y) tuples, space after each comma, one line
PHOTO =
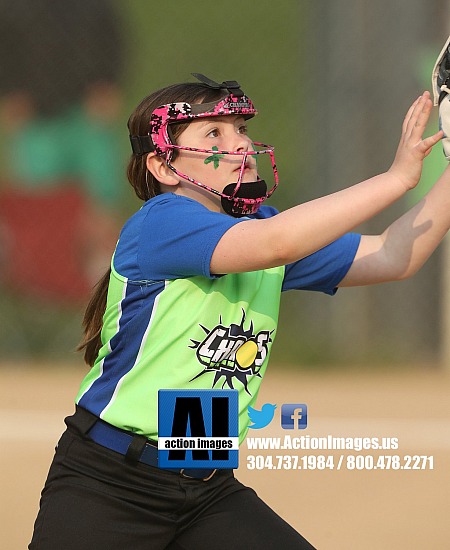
[(170, 324)]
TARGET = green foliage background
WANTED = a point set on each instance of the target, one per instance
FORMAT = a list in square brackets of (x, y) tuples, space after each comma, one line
[(257, 43)]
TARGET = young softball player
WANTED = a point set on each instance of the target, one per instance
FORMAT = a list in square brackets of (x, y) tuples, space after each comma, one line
[(202, 254)]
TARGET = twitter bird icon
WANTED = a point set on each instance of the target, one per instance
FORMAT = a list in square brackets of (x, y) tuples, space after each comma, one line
[(261, 418)]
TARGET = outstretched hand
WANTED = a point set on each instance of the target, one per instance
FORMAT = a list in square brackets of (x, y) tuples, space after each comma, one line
[(413, 148)]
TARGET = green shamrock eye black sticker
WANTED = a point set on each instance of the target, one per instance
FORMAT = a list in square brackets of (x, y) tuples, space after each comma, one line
[(214, 158)]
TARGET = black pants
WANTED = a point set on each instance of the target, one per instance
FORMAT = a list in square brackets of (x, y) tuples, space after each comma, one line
[(95, 499)]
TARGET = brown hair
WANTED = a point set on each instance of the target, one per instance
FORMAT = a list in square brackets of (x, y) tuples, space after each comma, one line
[(145, 186)]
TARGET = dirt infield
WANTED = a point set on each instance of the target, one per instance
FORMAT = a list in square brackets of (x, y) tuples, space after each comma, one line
[(404, 509)]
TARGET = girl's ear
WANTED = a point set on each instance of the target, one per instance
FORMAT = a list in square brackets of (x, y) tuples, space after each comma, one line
[(158, 168)]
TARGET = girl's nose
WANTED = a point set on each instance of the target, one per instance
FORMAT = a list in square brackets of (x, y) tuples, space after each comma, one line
[(242, 143)]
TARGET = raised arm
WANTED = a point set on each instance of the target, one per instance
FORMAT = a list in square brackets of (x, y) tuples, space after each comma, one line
[(405, 246), (299, 231)]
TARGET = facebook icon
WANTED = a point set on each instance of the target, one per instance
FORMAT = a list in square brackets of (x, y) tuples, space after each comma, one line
[(294, 416)]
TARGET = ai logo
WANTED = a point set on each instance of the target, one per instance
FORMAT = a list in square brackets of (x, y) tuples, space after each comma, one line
[(198, 429), (294, 416)]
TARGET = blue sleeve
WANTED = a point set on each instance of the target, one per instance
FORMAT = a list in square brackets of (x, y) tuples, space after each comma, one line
[(170, 237), (323, 270)]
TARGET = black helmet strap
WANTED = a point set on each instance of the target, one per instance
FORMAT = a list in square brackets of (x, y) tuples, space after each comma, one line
[(231, 85)]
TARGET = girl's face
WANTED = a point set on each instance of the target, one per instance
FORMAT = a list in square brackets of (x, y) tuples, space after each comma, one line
[(226, 133)]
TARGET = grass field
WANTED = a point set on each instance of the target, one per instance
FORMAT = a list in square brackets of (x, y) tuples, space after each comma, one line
[(335, 510)]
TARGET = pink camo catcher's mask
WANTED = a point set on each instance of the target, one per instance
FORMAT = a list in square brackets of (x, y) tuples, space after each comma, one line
[(183, 112), (238, 199)]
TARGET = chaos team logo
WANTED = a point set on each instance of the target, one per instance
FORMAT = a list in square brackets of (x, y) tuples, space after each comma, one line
[(232, 352)]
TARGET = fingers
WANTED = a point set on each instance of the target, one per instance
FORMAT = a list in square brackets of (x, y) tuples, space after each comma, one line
[(418, 119), (429, 142), (408, 114)]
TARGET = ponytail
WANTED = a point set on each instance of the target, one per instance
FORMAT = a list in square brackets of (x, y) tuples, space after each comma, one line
[(93, 321)]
